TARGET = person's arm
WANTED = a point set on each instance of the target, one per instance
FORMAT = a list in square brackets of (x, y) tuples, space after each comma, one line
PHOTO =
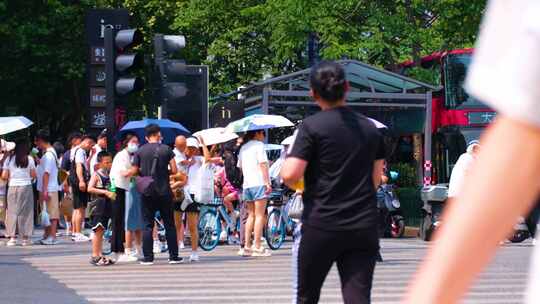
[(179, 180), (293, 170), (173, 169), (502, 185), (206, 153), (5, 174), (45, 187), (378, 172), (92, 187)]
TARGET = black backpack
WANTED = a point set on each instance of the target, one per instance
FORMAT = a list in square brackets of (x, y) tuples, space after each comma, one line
[(233, 173), (66, 161)]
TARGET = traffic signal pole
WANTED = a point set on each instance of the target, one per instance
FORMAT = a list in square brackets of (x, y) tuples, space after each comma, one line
[(158, 57), (110, 82)]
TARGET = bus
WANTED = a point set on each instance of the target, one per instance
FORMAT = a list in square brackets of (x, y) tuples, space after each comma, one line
[(457, 117)]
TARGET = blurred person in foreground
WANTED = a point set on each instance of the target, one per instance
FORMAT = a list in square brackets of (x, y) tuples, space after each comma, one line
[(340, 153), (503, 184)]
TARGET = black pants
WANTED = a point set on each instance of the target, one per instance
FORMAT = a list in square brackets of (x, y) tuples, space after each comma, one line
[(118, 236), (355, 253), (163, 204)]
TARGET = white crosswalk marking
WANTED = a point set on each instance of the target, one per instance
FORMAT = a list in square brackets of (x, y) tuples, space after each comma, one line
[(222, 277)]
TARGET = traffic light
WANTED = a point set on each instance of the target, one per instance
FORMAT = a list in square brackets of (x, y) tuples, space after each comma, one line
[(119, 64), (170, 72)]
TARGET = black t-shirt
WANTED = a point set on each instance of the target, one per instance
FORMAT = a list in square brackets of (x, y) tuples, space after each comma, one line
[(144, 159), (340, 146)]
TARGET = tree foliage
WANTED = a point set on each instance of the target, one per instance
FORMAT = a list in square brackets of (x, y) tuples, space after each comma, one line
[(43, 51)]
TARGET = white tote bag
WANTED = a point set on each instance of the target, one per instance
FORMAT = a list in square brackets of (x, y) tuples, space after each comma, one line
[(204, 192), (45, 219)]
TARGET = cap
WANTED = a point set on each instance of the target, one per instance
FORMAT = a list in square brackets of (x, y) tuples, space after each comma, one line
[(192, 142)]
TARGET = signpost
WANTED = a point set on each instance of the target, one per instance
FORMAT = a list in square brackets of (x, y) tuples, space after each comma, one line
[(224, 112)]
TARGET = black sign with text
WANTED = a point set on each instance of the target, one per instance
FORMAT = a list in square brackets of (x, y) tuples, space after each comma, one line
[(224, 112), (97, 20)]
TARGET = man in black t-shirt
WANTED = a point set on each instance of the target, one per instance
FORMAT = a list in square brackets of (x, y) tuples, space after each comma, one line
[(340, 154), (157, 161)]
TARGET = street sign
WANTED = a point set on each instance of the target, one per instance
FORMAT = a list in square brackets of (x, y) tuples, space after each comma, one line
[(98, 118), (97, 76), (97, 55), (224, 112), (98, 97)]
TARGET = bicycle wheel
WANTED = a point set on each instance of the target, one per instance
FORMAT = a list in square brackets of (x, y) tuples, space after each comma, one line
[(209, 230), (275, 230)]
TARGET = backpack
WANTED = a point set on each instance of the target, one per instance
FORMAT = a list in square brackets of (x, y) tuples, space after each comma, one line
[(73, 178), (66, 161), (232, 172)]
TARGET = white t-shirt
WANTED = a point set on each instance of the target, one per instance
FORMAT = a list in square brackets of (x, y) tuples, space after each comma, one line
[(93, 160), (251, 155), (121, 163), (48, 163), (179, 157), (80, 158), (19, 177), (505, 74), (459, 172), (193, 174)]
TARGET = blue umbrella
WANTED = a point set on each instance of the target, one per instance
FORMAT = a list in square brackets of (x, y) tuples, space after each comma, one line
[(169, 129)]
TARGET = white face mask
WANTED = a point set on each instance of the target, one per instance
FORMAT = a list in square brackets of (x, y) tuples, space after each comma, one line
[(132, 148)]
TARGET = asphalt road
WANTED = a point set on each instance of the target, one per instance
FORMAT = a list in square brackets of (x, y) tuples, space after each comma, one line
[(62, 274)]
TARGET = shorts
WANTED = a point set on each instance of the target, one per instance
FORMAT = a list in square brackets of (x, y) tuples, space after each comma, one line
[(133, 220), (80, 199), (100, 211), (53, 206), (254, 194), (193, 207)]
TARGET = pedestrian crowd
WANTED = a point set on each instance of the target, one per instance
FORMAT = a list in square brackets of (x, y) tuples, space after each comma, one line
[(127, 197)]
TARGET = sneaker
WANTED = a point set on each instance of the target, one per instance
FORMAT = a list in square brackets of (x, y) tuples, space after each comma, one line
[(244, 253), (194, 257), (147, 262), (26, 242), (49, 241), (176, 260), (81, 238), (157, 247), (534, 242), (261, 252), (181, 245), (11, 243), (126, 258)]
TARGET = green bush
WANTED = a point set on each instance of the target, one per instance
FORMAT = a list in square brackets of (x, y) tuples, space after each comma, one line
[(407, 175)]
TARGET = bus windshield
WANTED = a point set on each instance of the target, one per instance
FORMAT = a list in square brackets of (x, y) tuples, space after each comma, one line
[(455, 70)]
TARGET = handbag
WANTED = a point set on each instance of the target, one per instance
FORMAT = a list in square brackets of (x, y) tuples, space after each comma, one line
[(204, 193), (45, 219), (296, 207), (186, 201), (145, 184)]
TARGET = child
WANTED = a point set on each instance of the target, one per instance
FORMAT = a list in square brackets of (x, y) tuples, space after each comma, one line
[(100, 206)]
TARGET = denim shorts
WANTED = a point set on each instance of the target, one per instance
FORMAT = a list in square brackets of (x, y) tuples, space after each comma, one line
[(254, 194)]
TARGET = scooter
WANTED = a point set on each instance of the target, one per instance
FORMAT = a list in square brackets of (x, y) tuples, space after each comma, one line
[(391, 220), (434, 198)]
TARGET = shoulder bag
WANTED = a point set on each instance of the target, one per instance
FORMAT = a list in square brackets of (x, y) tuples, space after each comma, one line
[(146, 184)]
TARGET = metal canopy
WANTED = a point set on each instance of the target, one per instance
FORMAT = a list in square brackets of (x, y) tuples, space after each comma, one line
[(371, 88)]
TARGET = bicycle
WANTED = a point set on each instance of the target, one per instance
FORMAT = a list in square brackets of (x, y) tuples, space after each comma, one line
[(278, 222), (210, 225)]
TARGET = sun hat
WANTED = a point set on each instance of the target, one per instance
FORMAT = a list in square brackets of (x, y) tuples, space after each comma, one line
[(192, 142)]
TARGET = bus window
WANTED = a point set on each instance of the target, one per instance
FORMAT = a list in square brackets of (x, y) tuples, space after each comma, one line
[(455, 70)]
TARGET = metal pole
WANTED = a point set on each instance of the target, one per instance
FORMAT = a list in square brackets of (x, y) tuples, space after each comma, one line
[(158, 67), (110, 81), (427, 139)]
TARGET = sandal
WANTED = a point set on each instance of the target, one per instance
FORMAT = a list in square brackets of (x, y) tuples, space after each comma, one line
[(101, 261)]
